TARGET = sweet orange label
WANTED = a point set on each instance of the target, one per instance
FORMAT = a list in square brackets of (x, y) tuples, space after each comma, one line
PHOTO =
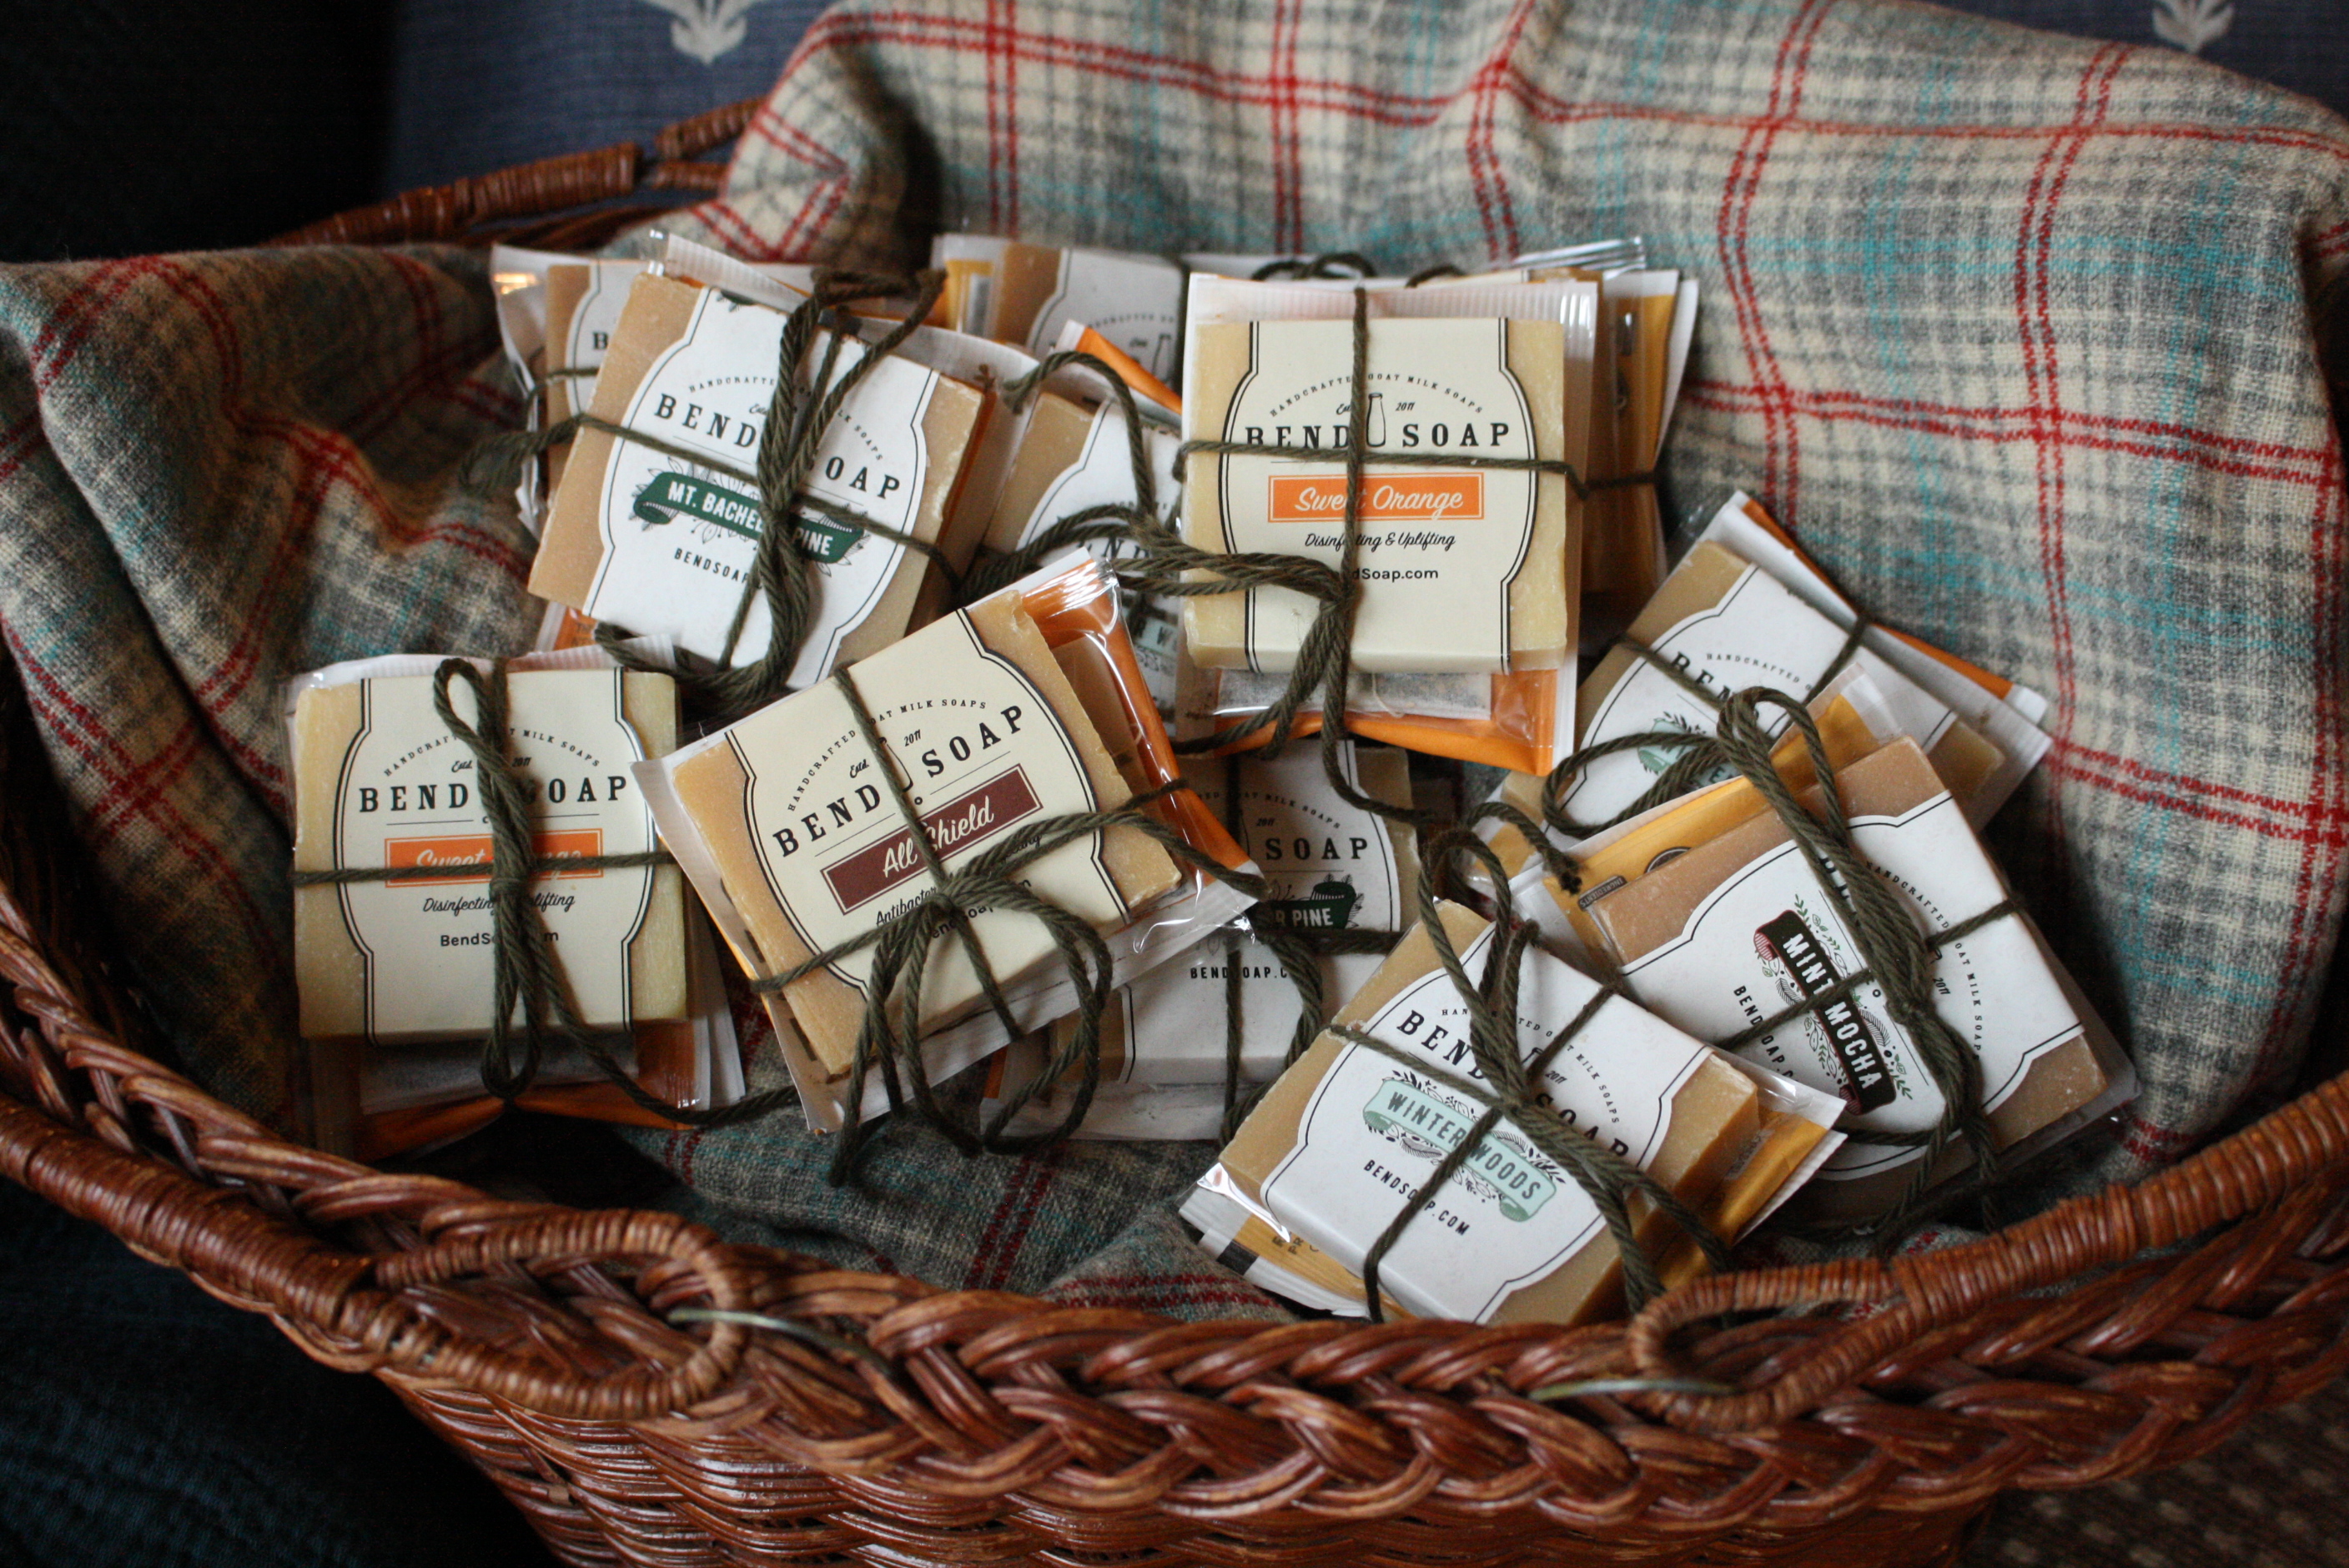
[(466, 856), (1402, 498)]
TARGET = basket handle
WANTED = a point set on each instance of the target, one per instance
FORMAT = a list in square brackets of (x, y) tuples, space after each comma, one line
[(360, 1300), (462, 208), (2251, 1171)]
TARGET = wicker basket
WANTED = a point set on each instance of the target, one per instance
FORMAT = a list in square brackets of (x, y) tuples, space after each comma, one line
[(2107, 1337)]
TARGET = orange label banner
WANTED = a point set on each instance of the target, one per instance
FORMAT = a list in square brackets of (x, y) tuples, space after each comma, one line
[(468, 856), (1386, 497)]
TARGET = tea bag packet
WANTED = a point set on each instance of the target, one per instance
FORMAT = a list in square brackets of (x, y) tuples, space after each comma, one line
[(1733, 937), (2000, 711), (789, 828), (1719, 625), (661, 543), (1075, 455), (1349, 1135), (1023, 293), (381, 781), (1465, 568)]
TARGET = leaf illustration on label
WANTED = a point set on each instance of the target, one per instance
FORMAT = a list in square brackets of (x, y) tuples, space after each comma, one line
[(1330, 907), (1406, 1111)]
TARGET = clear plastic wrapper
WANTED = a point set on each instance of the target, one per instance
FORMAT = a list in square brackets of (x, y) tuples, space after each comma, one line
[(1081, 655)]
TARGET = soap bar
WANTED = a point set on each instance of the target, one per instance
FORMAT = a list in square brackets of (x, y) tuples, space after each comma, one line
[(1025, 294), (1736, 928), (379, 780), (1348, 1135), (583, 300), (1328, 865), (656, 543), (1851, 724), (2003, 715), (1727, 625), (1463, 569), (807, 850)]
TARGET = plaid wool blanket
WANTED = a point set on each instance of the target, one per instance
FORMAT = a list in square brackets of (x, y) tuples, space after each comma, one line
[(2026, 339)]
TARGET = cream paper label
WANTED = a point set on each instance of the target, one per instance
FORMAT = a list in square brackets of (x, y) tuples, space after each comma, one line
[(1177, 1016), (1758, 635), (1440, 545), (1330, 866), (1102, 475), (408, 796), (681, 540), (592, 321), (1769, 938), (1135, 302), (980, 754), (1375, 1129)]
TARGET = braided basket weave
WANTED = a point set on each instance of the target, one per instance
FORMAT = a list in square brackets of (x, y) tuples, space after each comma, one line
[(2106, 1337)]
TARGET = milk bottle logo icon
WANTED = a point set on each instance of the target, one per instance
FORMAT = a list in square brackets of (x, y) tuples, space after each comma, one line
[(1375, 427)]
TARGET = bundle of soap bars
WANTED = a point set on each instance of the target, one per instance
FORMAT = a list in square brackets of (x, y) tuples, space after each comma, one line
[(924, 673)]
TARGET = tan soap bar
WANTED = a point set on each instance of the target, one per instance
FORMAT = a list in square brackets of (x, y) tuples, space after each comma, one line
[(1729, 625), (989, 734), (1688, 953), (1464, 569), (1346, 1136), (1054, 440), (379, 781), (658, 543)]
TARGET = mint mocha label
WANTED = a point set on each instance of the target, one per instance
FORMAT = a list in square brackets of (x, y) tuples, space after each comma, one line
[(681, 540)]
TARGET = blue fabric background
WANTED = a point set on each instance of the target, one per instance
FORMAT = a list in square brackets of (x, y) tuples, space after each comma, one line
[(479, 85)]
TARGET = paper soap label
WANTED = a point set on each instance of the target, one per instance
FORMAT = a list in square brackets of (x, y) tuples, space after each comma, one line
[(1758, 635), (1177, 1015), (1769, 939), (1102, 475), (980, 754), (408, 796), (1440, 546), (1375, 1129), (1135, 302), (681, 540), (589, 336), (1330, 865)]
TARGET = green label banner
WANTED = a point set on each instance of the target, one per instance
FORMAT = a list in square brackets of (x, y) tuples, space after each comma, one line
[(673, 495), (1519, 1186)]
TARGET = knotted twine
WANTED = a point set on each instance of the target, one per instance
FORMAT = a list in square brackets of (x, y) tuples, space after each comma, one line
[(527, 975), (796, 421), (1324, 658), (782, 575)]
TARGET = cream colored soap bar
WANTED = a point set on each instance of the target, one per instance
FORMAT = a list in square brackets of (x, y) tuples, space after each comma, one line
[(810, 851), (658, 543), (1464, 569), (1348, 1135), (379, 781), (1054, 440), (1736, 916)]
